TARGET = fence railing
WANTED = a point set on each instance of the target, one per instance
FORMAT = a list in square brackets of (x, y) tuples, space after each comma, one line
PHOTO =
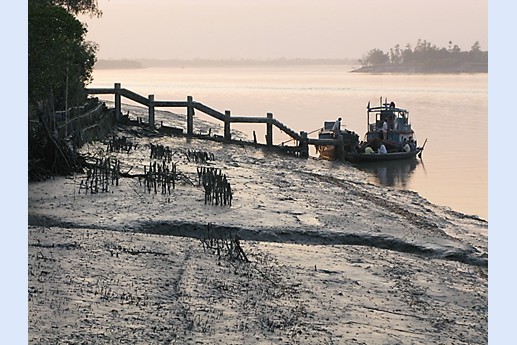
[(226, 117)]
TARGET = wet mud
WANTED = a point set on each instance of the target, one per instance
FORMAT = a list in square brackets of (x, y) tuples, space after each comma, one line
[(333, 259)]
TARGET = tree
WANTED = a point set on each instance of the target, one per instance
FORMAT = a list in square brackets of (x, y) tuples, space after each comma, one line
[(407, 54), (60, 60), (396, 54), (476, 55), (375, 57), (428, 56), (60, 66), (73, 6)]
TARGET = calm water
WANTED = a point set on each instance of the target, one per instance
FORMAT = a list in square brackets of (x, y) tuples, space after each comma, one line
[(450, 111)]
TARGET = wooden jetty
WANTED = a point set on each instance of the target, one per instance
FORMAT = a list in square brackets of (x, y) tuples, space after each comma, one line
[(227, 118)]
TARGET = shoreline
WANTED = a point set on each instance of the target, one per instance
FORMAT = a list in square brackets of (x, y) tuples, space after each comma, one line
[(422, 69), (342, 260)]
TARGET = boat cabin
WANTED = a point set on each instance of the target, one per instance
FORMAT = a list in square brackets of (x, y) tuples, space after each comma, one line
[(399, 128), (350, 138)]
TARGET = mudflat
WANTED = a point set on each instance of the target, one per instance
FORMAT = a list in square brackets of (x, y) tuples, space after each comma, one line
[(330, 259)]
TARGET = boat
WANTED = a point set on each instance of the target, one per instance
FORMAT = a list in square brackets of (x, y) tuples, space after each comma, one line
[(330, 152), (378, 157), (399, 139)]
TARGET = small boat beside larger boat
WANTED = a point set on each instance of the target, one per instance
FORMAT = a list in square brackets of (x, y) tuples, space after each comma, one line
[(388, 126), (329, 152)]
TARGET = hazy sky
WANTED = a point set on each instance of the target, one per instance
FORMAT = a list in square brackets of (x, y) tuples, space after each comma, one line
[(235, 29)]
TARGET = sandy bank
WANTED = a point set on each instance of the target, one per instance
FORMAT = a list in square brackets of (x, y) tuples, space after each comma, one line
[(99, 286), (333, 259)]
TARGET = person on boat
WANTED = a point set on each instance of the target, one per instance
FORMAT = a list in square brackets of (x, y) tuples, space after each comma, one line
[(382, 149), (391, 122), (405, 147), (392, 105), (385, 130), (337, 127), (368, 150)]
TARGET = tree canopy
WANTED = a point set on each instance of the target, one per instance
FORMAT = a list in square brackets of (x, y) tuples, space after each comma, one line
[(426, 54), (73, 6), (60, 60)]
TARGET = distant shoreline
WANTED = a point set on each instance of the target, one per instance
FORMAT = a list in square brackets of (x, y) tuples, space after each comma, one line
[(152, 63), (423, 68), (349, 63)]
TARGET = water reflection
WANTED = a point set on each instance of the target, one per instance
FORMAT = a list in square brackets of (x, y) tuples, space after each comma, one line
[(390, 173)]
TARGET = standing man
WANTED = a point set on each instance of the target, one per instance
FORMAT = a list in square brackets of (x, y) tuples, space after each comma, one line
[(385, 130), (337, 127)]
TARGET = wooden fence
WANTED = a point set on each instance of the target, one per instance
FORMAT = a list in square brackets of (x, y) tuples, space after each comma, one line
[(226, 117)]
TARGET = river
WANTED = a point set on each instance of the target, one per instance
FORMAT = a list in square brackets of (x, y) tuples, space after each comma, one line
[(450, 111)]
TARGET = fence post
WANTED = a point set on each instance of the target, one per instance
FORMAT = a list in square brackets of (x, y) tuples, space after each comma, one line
[(227, 134), (190, 116), (304, 146), (117, 101), (269, 130), (151, 111)]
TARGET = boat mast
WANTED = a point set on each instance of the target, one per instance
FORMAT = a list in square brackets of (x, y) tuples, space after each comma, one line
[(368, 117)]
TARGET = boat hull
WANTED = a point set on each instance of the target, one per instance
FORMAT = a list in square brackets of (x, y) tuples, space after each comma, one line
[(377, 157), (327, 152)]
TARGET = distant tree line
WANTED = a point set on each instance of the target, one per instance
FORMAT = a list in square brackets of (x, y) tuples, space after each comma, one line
[(152, 63), (426, 54), (60, 59)]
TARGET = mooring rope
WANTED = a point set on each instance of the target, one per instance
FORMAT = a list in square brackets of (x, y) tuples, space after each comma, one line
[(292, 139)]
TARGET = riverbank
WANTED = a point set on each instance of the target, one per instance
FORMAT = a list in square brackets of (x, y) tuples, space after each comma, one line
[(423, 68), (332, 259)]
